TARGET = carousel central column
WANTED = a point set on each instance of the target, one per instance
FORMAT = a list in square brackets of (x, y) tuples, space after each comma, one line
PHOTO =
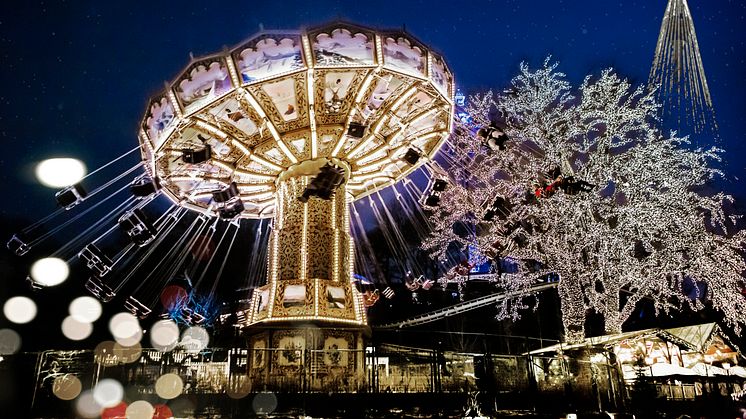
[(310, 257), (310, 315)]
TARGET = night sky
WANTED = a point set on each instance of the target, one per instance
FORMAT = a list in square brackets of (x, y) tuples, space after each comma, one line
[(77, 74)]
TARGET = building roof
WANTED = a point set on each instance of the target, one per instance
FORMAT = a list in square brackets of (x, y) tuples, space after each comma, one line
[(695, 337)]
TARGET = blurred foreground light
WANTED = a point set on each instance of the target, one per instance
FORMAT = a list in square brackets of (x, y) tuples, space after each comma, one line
[(125, 328), (173, 296), (105, 355), (195, 339), (85, 309), (127, 354), (108, 392), (140, 410), (76, 330), (162, 411), (49, 271), (238, 386), (264, 403), (67, 387), (86, 405), (169, 386), (164, 335), (60, 172), (10, 342), (19, 309), (117, 412)]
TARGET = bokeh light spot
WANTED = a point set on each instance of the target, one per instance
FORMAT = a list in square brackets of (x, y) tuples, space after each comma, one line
[(162, 412), (67, 387), (164, 335), (86, 405), (19, 309), (108, 392), (76, 330), (104, 354), (127, 354), (117, 412), (173, 296), (264, 403), (140, 410), (195, 339), (169, 386), (49, 271), (60, 172), (238, 386), (10, 341), (85, 309), (125, 328)]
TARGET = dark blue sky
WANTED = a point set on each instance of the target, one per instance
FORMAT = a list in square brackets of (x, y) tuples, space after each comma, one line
[(77, 74)]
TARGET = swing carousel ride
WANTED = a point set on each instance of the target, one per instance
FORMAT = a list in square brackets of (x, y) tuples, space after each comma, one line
[(291, 126)]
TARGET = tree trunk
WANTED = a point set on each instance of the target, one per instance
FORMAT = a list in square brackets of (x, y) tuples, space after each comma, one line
[(573, 310)]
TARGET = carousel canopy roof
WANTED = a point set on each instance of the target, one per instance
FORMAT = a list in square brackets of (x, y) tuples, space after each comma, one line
[(378, 103)]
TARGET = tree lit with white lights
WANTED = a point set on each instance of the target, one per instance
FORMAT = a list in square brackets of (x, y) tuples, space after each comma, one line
[(587, 187)]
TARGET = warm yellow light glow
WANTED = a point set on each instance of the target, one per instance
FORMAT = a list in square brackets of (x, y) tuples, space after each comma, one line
[(379, 50), (85, 309), (49, 272), (259, 197), (284, 147), (108, 392), (265, 162), (254, 104), (254, 187), (361, 145), (304, 244), (164, 335), (60, 172), (169, 386), (175, 104), (239, 145), (412, 90), (19, 309), (253, 175), (74, 329), (223, 165), (211, 129), (232, 71), (67, 387), (365, 86), (316, 301)]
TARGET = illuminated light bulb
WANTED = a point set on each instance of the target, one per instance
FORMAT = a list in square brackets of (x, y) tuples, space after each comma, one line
[(49, 271), (60, 172), (19, 310)]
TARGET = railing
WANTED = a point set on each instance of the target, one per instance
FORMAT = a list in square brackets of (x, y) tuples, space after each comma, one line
[(461, 308)]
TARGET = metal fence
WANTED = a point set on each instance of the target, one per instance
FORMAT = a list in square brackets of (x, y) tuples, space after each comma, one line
[(511, 381)]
